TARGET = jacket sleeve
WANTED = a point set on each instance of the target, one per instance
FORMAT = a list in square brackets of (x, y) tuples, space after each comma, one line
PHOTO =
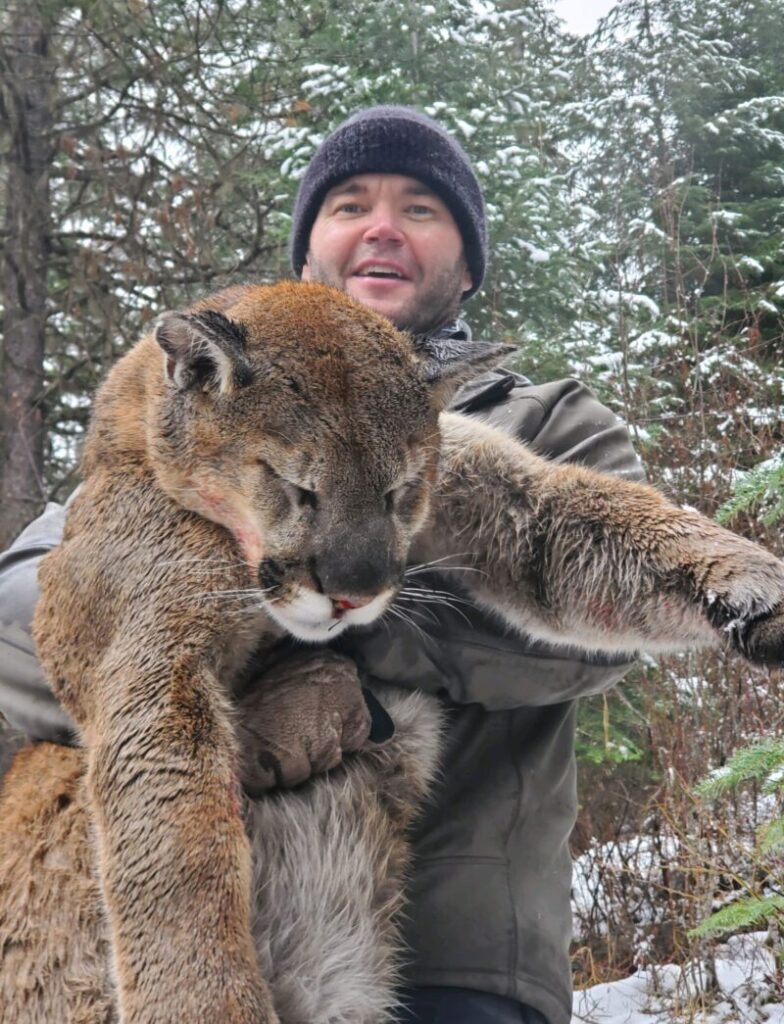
[(26, 700), (469, 654), (565, 422)]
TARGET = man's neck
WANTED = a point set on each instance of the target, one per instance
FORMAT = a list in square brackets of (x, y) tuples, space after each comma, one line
[(455, 327)]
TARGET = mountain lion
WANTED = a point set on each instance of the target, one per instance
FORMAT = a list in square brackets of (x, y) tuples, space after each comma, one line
[(267, 464)]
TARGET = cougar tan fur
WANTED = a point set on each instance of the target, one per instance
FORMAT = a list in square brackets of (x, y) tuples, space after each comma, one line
[(265, 463)]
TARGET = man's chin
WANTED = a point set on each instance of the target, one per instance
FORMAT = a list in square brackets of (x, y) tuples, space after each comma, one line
[(395, 306)]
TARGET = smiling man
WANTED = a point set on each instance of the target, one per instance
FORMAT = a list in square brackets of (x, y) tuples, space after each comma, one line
[(391, 243), (390, 211)]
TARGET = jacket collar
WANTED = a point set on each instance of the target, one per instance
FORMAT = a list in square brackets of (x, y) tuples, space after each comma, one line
[(487, 388), (457, 329)]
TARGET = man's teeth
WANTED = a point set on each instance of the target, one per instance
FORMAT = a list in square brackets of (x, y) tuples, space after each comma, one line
[(380, 272)]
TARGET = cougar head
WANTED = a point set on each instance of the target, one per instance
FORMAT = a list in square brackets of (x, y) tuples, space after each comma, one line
[(306, 425)]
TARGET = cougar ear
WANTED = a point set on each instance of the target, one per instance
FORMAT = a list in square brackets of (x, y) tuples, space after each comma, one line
[(446, 363), (204, 350)]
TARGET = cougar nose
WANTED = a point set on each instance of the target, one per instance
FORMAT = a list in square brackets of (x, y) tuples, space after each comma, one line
[(359, 561)]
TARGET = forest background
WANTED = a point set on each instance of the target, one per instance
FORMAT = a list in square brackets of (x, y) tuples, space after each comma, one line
[(635, 188)]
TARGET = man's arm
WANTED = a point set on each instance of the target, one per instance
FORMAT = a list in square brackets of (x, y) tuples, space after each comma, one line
[(26, 700)]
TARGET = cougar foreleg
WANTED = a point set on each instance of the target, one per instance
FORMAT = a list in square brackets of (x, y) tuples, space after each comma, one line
[(173, 858), (577, 557)]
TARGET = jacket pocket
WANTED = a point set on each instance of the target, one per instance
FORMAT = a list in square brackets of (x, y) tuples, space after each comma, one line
[(460, 916)]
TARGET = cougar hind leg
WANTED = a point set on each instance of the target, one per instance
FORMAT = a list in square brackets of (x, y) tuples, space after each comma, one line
[(54, 956), (330, 861)]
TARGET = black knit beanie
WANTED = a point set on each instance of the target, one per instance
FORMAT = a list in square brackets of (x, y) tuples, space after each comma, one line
[(395, 140)]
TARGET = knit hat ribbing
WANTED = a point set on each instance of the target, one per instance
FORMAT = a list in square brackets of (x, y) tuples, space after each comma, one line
[(395, 140)]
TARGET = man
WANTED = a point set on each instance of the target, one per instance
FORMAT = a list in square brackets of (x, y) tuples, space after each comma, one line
[(390, 211)]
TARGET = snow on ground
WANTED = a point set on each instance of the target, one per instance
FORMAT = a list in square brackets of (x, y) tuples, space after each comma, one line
[(744, 967)]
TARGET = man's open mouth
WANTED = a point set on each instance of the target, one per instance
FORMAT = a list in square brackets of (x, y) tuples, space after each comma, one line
[(380, 271)]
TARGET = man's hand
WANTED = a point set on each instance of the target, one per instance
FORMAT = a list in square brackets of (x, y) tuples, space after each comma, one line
[(299, 719)]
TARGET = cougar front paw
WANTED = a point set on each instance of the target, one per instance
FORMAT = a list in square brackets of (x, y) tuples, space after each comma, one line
[(748, 608), (761, 639), (299, 719)]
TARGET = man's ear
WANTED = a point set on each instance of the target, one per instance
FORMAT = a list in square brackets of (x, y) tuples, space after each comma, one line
[(305, 275), (468, 281), (446, 363), (204, 350)]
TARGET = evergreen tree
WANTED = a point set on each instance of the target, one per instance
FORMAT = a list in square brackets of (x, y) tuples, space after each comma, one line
[(677, 144), (494, 75), (683, 132), (145, 193), (763, 764), (179, 132)]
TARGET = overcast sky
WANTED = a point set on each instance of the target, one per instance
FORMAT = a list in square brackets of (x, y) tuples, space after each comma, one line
[(581, 15)]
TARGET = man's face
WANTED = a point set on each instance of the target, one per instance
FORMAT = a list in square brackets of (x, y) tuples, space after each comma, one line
[(391, 243)]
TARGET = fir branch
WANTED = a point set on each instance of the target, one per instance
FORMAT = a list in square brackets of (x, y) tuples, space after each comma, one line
[(744, 912), (761, 490), (761, 762), (771, 836)]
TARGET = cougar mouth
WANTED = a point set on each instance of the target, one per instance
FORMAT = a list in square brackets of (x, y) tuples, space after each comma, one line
[(315, 617)]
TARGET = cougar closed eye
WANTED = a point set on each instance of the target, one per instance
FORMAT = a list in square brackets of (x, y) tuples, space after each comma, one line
[(305, 497), (298, 495)]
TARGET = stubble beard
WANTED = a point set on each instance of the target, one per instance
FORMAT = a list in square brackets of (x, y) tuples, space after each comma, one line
[(428, 311)]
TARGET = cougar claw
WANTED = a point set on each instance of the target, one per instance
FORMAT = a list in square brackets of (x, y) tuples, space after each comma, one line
[(761, 639)]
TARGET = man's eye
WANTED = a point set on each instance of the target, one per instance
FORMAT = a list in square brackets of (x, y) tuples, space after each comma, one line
[(349, 208), (420, 211)]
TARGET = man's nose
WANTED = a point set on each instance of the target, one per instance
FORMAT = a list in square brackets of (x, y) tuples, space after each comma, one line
[(384, 226)]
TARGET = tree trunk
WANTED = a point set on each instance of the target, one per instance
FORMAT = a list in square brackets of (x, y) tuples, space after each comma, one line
[(26, 80)]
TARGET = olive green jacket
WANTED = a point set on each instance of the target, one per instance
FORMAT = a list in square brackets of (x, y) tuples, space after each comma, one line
[(491, 885), (490, 895)]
